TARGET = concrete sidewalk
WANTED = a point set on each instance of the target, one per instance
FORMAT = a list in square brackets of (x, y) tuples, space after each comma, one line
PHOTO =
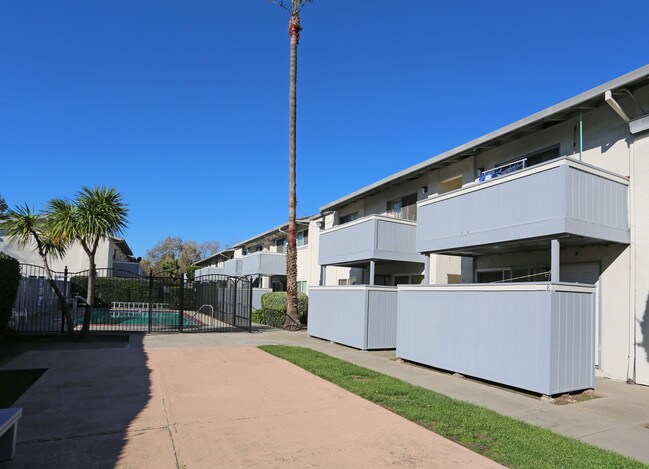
[(192, 407), (616, 421)]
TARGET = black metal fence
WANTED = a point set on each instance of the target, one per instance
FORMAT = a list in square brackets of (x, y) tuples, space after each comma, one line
[(123, 302)]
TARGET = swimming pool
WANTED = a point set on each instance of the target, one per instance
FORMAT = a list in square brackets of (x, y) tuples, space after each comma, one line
[(107, 317)]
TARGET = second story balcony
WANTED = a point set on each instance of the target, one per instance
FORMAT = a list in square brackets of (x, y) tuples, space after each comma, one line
[(375, 237), (564, 198), (257, 263)]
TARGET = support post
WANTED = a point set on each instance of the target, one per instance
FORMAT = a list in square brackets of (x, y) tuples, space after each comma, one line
[(249, 309), (555, 260), (323, 275), (65, 296), (150, 318), (427, 269), (372, 268), (181, 302)]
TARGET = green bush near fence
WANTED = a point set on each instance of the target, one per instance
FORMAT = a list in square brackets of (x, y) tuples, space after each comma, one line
[(9, 281), (132, 290), (273, 309), (109, 289)]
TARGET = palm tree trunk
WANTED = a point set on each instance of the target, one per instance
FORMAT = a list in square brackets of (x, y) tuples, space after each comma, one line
[(62, 299), (90, 296), (292, 321)]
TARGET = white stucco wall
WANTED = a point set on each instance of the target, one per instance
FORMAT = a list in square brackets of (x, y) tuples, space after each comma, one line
[(75, 259)]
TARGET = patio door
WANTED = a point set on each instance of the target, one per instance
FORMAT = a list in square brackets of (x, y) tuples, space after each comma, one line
[(587, 273)]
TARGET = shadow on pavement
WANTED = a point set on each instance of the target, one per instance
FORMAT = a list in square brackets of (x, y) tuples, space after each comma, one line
[(80, 412)]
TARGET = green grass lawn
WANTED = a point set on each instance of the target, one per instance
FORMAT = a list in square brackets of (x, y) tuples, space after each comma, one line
[(508, 441), (13, 383)]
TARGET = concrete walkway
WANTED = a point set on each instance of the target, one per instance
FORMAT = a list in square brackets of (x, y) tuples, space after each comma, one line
[(168, 405), (617, 421)]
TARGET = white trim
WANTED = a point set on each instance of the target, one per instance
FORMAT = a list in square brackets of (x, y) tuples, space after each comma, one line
[(563, 161), (355, 287), (544, 286)]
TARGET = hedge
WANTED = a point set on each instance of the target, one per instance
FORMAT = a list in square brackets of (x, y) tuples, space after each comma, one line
[(9, 282), (273, 309)]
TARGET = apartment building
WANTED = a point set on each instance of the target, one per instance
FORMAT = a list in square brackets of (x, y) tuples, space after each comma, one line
[(263, 259), (112, 253), (526, 241)]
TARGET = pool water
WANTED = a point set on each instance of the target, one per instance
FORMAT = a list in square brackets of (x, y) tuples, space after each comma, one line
[(138, 318)]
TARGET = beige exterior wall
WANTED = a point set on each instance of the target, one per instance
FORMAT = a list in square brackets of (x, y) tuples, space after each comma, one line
[(75, 259), (639, 271)]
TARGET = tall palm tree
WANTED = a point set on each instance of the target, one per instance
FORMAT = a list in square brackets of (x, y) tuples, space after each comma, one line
[(23, 226), (292, 321), (92, 216)]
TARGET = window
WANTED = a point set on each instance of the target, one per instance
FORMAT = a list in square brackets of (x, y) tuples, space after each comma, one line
[(301, 287), (403, 207), (517, 274), (257, 248), (347, 218), (280, 244), (453, 278), (450, 184), (302, 238), (493, 275), (408, 279), (245, 252), (347, 281)]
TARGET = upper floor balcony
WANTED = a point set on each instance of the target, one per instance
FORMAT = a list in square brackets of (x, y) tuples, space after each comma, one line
[(126, 269), (375, 237), (564, 198), (257, 263)]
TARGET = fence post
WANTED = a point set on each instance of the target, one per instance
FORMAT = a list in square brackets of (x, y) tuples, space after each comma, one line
[(249, 305), (181, 302), (150, 318), (234, 305), (65, 295)]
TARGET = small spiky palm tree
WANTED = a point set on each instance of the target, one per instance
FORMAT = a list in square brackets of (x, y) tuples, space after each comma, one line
[(23, 226), (92, 216), (294, 27)]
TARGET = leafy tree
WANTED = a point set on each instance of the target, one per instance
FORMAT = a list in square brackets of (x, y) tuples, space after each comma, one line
[(24, 226), (176, 256), (294, 27), (92, 216)]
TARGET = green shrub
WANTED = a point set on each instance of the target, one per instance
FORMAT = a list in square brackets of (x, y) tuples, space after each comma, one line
[(109, 289), (274, 305), (9, 282)]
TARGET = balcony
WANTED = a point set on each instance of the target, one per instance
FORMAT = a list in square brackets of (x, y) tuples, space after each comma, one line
[(209, 271), (534, 336), (374, 237), (257, 263), (126, 269), (232, 267), (563, 198), (360, 316)]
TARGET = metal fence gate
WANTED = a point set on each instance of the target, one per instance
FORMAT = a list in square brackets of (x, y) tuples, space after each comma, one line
[(125, 302)]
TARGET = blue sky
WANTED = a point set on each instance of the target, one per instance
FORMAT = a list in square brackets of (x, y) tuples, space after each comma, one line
[(183, 106)]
